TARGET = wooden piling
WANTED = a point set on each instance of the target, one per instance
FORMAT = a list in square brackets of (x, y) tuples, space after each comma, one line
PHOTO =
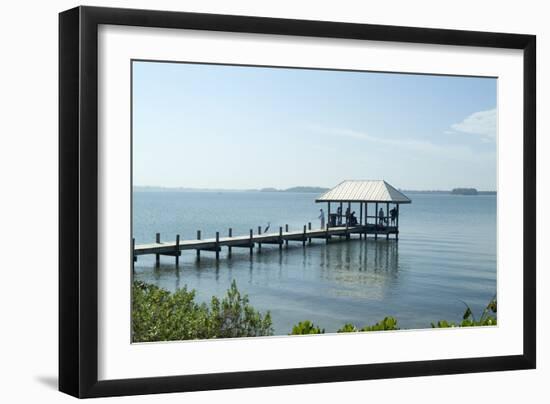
[(217, 245), (198, 251), (259, 244), (251, 243), (134, 257), (280, 238), (309, 228), (387, 220), (397, 223), (347, 224), (229, 248), (286, 231), (177, 249), (360, 218), (376, 221), (304, 238), (157, 256)]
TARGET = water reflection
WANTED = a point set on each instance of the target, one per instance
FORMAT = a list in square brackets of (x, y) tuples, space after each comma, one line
[(319, 281)]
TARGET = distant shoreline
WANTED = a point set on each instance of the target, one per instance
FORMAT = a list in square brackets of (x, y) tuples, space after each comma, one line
[(304, 189)]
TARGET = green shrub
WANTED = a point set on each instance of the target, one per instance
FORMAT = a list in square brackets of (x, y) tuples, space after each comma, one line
[(348, 327), (469, 320), (159, 315), (389, 323), (306, 327)]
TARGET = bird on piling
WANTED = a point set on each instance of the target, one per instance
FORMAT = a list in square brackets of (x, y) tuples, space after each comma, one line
[(267, 227)]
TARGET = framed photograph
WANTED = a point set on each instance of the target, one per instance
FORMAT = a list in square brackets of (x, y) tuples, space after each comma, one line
[(250, 201)]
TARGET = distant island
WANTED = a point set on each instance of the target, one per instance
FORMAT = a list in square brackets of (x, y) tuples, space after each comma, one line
[(454, 191), (316, 190), (302, 189), (464, 191), (305, 189)]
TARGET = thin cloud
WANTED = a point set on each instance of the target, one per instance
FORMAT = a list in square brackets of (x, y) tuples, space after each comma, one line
[(413, 145), (482, 123)]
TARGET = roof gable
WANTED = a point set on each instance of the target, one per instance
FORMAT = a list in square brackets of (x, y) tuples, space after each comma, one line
[(364, 191)]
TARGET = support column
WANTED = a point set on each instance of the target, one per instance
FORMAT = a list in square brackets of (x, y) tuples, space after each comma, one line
[(198, 250), (134, 258), (251, 244), (360, 218), (387, 220), (397, 223), (259, 244), (376, 221), (229, 248), (217, 245), (286, 231), (157, 256), (177, 249)]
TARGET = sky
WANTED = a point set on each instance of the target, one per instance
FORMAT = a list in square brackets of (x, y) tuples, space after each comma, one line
[(239, 127)]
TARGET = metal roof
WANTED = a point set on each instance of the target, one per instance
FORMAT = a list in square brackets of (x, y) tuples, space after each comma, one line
[(363, 191)]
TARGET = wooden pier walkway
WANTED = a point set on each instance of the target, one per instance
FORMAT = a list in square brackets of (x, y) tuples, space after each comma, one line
[(280, 238)]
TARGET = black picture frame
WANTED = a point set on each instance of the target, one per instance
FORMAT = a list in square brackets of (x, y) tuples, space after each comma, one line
[(78, 200)]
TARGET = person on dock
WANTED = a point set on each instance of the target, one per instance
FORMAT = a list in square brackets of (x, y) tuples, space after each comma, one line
[(381, 217), (393, 215), (322, 218), (352, 219), (339, 215)]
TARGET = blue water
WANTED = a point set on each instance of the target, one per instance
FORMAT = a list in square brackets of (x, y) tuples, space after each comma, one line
[(446, 255)]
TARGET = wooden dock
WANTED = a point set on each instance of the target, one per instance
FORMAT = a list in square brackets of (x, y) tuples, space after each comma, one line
[(280, 238)]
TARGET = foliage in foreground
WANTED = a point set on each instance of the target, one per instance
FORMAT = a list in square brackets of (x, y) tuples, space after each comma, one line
[(306, 327), (390, 323), (159, 315), (469, 320)]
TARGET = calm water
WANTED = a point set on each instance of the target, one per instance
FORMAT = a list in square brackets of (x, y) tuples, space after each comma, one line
[(446, 254)]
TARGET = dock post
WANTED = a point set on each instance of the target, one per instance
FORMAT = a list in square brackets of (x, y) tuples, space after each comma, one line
[(397, 223), (376, 221), (134, 258), (177, 249), (309, 228), (347, 228), (366, 218), (251, 244), (198, 250), (157, 256), (259, 244), (217, 245), (326, 236), (304, 240), (387, 220), (280, 238), (361, 219), (286, 231), (229, 248)]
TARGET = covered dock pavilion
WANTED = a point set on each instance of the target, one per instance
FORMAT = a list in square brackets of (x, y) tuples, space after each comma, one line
[(372, 196)]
